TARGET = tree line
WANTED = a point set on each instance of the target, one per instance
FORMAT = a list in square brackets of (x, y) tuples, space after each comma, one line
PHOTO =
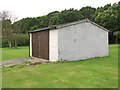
[(107, 16)]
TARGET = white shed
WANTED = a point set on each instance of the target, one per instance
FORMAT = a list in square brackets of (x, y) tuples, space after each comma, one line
[(72, 41)]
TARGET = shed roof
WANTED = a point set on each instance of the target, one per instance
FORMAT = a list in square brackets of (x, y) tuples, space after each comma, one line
[(68, 24)]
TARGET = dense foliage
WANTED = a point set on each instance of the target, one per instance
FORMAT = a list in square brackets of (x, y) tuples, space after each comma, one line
[(107, 16), (21, 40)]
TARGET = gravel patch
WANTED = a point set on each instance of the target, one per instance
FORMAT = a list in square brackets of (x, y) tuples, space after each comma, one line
[(18, 61)]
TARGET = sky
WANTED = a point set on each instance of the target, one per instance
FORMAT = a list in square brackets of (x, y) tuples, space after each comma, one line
[(34, 8)]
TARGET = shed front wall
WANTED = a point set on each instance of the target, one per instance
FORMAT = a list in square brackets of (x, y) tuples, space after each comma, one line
[(30, 46), (82, 41), (53, 45)]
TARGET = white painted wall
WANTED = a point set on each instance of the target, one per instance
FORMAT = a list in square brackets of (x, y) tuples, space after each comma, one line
[(53, 45), (30, 44), (80, 41)]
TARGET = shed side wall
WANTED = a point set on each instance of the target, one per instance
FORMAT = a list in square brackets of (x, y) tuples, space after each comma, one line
[(53, 45), (82, 41)]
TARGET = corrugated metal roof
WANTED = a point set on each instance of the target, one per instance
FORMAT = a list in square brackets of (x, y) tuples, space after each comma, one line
[(69, 24)]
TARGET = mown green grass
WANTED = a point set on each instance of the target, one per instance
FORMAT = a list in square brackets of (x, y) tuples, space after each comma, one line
[(90, 73), (11, 53)]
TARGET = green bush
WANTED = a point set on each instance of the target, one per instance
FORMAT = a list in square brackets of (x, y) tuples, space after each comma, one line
[(21, 40), (4, 42)]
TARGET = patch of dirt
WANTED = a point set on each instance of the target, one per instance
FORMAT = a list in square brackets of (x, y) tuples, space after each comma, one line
[(18, 66), (36, 63), (8, 63), (48, 62), (105, 79)]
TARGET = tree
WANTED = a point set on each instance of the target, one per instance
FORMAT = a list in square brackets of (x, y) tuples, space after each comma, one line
[(21, 39), (117, 34), (108, 17), (7, 15), (53, 18), (33, 28), (87, 12), (4, 15), (7, 30), (70, 15)]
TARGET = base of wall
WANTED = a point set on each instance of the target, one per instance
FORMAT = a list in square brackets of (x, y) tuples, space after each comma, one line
[(68, 60), (85, 58), (39, 58)]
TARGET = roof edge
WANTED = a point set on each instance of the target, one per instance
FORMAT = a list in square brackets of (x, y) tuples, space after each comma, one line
[(42, 29), (71, 23), (98, 25), (81, 21), (68, 24)]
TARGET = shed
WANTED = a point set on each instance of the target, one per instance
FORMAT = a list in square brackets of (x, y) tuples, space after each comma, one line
[(72, 41)]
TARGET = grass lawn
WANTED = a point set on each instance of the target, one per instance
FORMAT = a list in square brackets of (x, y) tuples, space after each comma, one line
[(90, 73), (11, 53)]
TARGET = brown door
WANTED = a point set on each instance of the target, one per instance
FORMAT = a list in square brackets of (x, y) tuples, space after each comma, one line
[(40, 44)]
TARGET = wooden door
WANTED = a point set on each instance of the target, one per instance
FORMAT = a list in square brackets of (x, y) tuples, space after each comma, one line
[(40, 44)]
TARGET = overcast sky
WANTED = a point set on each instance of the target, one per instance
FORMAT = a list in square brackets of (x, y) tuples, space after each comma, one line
[(34, 8)]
